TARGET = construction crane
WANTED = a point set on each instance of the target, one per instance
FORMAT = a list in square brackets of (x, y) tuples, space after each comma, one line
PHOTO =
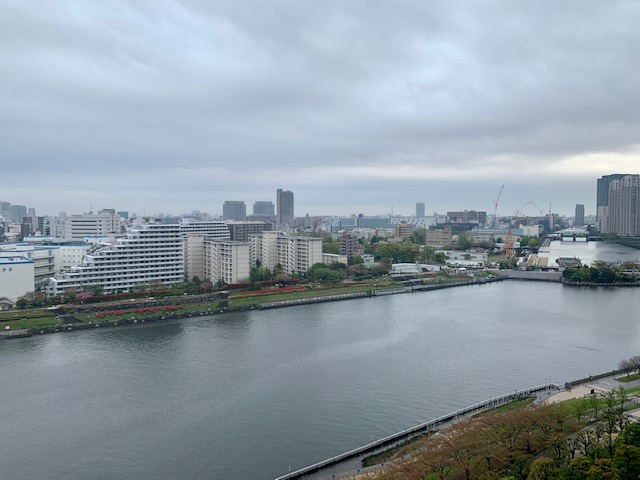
[(495, 208), (542, 214)]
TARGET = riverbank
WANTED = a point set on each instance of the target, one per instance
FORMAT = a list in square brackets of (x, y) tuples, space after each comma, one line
[(370, 458), (384, 444), (84, 317)]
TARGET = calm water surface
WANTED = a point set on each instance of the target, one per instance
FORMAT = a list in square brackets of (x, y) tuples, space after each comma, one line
[(246, 396)]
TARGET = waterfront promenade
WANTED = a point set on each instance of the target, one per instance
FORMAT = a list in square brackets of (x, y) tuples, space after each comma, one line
[(390, 441), (349, 464)]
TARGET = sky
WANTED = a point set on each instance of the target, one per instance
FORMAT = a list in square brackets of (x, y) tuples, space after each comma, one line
[(357, 107)]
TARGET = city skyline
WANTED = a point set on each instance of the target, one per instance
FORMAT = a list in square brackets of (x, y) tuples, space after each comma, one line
[(357, 108)]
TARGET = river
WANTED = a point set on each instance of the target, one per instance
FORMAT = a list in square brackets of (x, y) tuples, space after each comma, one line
[(248, 395)]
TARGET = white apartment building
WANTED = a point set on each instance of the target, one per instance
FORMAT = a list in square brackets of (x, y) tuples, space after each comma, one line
[(210, 228), (70, 254), (226, 260), (149, 253), (294, 253)]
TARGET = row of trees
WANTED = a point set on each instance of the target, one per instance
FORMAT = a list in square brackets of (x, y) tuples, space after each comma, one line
[(602, 272)]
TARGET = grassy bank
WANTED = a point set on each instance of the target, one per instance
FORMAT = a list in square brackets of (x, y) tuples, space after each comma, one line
[(38, 317)]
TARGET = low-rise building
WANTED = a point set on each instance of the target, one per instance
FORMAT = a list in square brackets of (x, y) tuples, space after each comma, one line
[(438, 237), (16, 277), (43, 258), (457, 258), (329, 258)]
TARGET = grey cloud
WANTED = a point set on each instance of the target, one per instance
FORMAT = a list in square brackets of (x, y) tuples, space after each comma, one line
[(234, 93)]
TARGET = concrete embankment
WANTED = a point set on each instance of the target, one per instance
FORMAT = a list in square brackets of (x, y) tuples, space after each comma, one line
[(535, 276), (414, 287), (19, 333), (386, 443)]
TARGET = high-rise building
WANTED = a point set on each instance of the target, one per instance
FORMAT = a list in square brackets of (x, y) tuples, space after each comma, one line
[(420, 208), (602, 200), (240, 231), (234, 210), (263, 209), (623, 216), (284, 206), (579, 216), (18, 212)]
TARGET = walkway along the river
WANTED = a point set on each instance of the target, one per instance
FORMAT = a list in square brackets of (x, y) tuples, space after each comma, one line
[(392, 440)]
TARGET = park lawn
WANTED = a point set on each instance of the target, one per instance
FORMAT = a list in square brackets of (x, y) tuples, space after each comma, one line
[(36, 322), (319, 292), (190, 308), (630, 378), (29, 318), (13, 315)]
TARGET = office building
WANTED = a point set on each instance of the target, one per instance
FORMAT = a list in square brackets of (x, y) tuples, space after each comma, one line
[(234, 210), (263, 209), (18, 212), (578, 221), (284, 208), (105, 222), (468, 216), (420, 210)]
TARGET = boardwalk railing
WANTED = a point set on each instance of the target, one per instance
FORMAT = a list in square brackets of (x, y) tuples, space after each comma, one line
[(409, 433)]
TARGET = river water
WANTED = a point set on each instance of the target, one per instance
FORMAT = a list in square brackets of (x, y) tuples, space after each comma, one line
[(248, 395)]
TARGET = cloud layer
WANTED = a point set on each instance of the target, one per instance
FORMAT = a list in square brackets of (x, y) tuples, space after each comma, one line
[(355, 106)]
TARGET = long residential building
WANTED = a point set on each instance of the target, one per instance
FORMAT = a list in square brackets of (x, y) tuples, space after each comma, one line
[(148, 254)]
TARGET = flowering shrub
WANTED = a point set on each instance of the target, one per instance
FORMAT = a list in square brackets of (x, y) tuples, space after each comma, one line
[(269, 290)]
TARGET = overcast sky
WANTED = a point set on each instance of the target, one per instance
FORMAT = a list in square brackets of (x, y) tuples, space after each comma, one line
[(357, 106)]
